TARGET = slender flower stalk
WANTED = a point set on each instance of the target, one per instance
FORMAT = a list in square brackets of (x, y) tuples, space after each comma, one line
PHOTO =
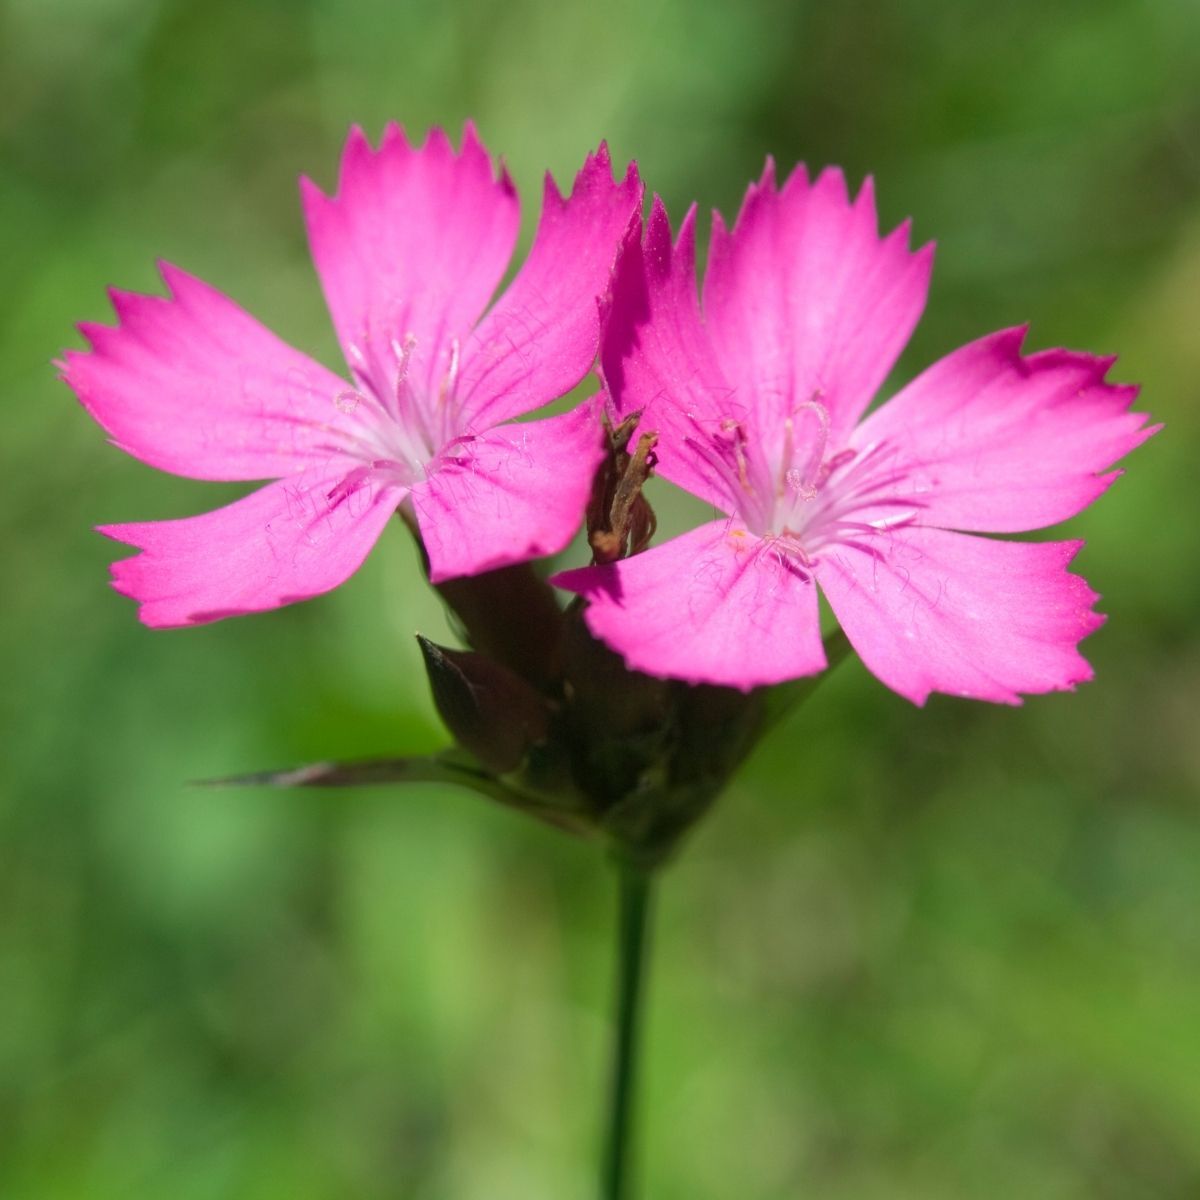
[(635, 887)]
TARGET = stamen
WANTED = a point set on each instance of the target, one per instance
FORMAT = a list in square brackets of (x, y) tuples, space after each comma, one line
[(810, 476), (450, 380), (738, 446), (791, 543), (789, 449), (348, 484), (794, 478), (447, 407), (360, 366), (403, 354), (838, 460)]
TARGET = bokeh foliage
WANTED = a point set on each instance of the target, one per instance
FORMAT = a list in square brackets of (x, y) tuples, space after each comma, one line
[(912, 954)]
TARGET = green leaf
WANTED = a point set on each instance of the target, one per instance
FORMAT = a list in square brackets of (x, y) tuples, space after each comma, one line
[(451, 766)]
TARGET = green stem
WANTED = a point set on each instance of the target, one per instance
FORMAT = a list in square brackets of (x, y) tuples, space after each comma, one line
[(633, 920)]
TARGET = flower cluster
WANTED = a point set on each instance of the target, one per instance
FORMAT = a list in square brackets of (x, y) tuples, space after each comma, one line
[(750, 394)]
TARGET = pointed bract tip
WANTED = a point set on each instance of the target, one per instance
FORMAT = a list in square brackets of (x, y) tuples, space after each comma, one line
[(491, 712), (430, 650)]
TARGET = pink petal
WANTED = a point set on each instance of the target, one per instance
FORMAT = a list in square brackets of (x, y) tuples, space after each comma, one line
[(998, 443), (716, 605), (414, 242), (290, 540), (514, 493), (805, 301), (542, 335), (193, 384), (948, 612), (657, 357)]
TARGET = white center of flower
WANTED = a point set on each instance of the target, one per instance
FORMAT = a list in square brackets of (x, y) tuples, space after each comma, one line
[(397, 431), (789, 489)]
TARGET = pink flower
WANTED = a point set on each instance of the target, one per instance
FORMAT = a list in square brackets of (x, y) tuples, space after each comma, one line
[(409, 252), (758, 398)]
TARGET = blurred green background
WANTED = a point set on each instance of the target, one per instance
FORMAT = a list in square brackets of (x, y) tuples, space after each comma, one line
[(940, 953)]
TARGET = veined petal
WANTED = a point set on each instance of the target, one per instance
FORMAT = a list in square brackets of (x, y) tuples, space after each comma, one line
[(514, 493), (290, 540), (192, 384), (414, 243), (657, 358), (932, 611), (542, 335), (716, 605), (991, 441), (805, 301)]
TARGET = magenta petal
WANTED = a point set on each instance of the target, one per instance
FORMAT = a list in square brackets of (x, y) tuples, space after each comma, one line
[(514, 493), (542, 335), (805, 301), (934, 611), (658, 360), (194, 385), (994, 442), (716, 605), (414, 243), (290, 540)]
